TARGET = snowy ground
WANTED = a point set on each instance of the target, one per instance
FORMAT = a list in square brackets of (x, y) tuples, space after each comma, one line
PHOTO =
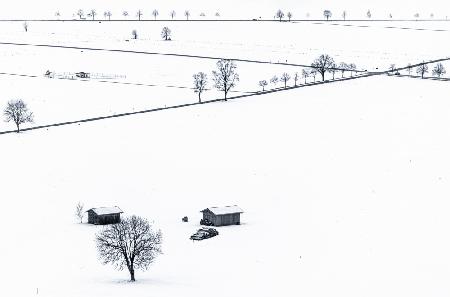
[(344, 186), (343, 196)]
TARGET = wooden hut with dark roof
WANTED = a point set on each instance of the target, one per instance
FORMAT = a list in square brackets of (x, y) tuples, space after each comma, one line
[(104, 215)]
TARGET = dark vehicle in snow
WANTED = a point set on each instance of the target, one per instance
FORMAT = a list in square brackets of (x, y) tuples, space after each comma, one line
[(204, 233)]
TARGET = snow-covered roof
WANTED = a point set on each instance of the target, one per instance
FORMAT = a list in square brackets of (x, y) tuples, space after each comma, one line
[(224, 210), (106, 210)]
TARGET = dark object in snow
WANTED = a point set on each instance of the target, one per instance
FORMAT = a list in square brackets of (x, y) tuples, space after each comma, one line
[(104, 215), (82, 74), (185, 219), (204, 233), (222, 216), (206, 222)]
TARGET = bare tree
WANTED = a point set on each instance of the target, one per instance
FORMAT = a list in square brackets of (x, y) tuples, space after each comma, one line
[(57, 14), (296, 78), (173, 14), (344, 15), (439, 70), (369, 14), (107, 14), (217, 14), (416, 15), (155, 13), (187, 14), (409, 68), (333, 69), (225, 77), (134, 34), (79, 211), (25, 26), (343, 67), (289, 15), (274, 80), (351, 68), (165, 33), (305, 74), (323, 64), (285, 77), (327, 14), (139, 14), (80, 13), (313, 72), (17, 111), (279, 14), (422, 69), (200, 82), (202, 14), (392, 68), (132, 243), (92, 14), (431, 15), (263, 84), (125, 13)]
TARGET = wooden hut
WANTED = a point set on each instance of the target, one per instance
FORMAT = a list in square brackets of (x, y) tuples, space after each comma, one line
[(104, 215), (223, 216)]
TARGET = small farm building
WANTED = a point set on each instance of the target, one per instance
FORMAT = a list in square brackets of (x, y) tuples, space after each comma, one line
[(104, 215), (223, 216)]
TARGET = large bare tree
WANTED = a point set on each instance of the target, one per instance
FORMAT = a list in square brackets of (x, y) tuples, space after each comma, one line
[(200, 82), (225, 77), (343, 67), (327, 14), (323, 64), (132, 243), (422, 69), (17, 111)]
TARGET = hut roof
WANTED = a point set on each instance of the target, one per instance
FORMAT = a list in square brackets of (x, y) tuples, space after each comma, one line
[(224, 210), (106, 210)]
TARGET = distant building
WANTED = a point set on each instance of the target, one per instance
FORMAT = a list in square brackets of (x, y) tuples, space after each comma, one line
[(223, 216), (104, 215)]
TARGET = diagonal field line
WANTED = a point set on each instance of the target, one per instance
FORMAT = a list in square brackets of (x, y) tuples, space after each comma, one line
[(162, 54), (368, 74)]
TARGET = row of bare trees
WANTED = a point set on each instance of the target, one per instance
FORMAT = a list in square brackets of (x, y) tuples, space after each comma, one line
[(422, 69), (321, 65), (225, 78), (92, 13), (327, 14)]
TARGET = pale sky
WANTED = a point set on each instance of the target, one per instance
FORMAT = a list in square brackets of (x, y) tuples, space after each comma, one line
[(228, 9)]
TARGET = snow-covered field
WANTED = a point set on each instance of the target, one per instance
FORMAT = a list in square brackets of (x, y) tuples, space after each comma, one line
[(344, 186)]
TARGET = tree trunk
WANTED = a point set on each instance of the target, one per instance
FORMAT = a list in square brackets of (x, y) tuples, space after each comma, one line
[(199, 99), (18, 129), (131, 269)]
